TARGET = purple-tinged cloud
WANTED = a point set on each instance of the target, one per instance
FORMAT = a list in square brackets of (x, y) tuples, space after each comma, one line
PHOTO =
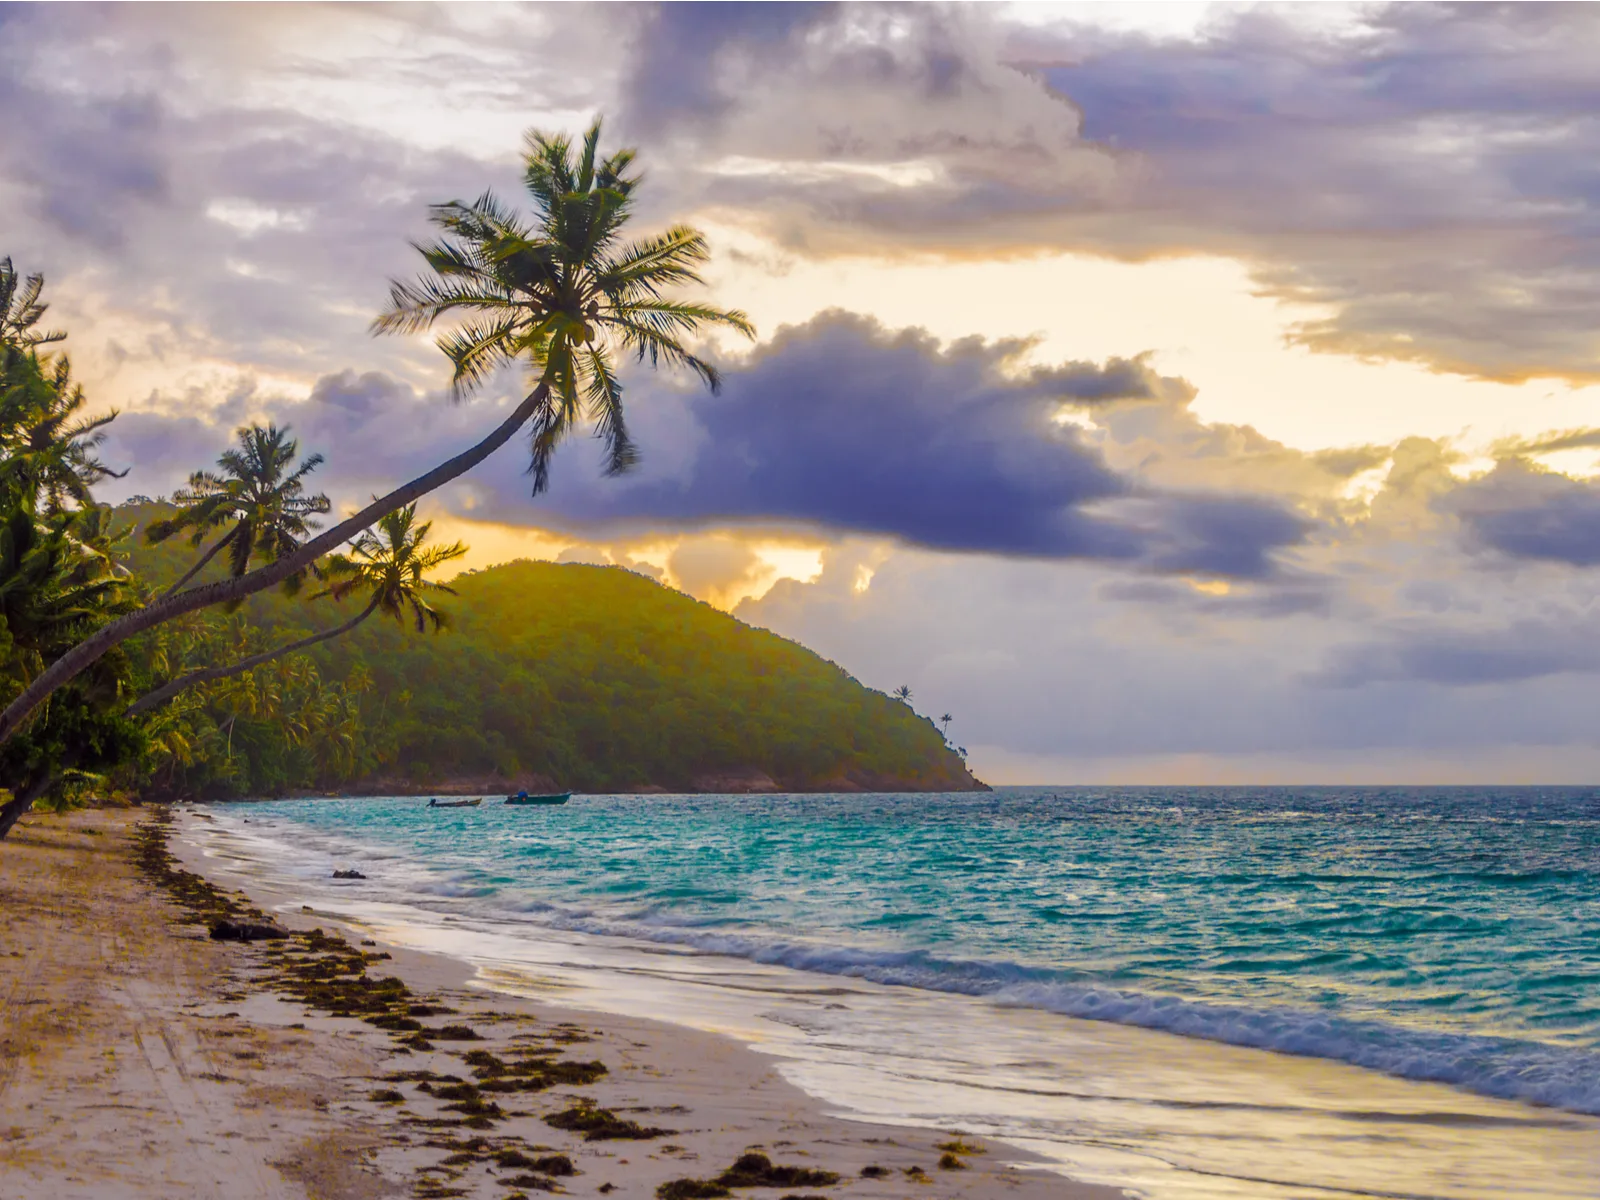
[(1527, 513), (1420, 174), (838, 426), (844, 426), (1457, 655)]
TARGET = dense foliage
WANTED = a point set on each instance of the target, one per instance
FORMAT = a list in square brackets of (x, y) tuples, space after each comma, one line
[(142, 650), (560, 291), (592, 678), (58, 582)]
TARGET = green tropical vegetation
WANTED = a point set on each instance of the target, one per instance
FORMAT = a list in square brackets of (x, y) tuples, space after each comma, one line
[(562, 295), (59, 582), (389, 566), (593, 678), (260, 500), (169, 649)]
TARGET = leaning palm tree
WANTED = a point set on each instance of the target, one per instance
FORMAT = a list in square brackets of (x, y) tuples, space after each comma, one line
[(260, 496), (559, 292), (389, 566)]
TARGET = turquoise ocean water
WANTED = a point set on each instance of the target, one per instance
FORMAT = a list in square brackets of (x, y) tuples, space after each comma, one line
[(1431, 936)]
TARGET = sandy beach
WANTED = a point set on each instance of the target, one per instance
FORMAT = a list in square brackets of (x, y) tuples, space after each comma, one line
[(141, 1058)]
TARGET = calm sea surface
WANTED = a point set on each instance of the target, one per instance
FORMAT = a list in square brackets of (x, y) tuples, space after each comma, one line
[(1427, 937)]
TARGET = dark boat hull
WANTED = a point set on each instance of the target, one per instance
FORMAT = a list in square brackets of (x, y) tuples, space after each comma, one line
[(453, 804), (562, 798)]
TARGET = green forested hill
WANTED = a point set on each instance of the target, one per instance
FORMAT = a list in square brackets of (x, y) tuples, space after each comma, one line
[(590, 678)]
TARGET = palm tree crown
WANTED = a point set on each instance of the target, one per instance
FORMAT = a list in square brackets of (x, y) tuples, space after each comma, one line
[(258, 493), (21, 309), (47, 445), (564, 293), (390, 565)]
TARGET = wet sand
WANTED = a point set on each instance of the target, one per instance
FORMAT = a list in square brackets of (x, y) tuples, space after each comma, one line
[(139, 1058)]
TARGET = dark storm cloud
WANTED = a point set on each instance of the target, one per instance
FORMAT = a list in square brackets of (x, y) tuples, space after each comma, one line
[(841, 424), (844, 426), (837, 425), (1528, 513)]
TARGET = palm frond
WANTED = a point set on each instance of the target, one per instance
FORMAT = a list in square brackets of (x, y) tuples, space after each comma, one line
[(478, 349), (414, 307), (21, 309), (648, 341), (603, 397)]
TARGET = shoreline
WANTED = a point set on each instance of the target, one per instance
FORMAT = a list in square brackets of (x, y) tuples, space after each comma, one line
[(188, 1064), (1151, 1111)]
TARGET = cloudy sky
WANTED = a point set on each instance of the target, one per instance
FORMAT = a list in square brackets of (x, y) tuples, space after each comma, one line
[(1171, 392)]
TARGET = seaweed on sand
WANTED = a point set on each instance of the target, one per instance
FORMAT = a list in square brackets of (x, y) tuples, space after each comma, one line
[(545, 1164), (754, 1169), (601, 1124), (537, 1182), (454, 1033), (529, 1074), (691, 1189), (751, 1169)]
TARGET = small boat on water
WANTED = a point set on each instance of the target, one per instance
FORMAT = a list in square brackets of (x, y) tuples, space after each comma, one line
[(549, 798), (437, 803)]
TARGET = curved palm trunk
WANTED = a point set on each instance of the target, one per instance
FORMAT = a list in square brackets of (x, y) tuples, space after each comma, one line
[(204, 559), (91, 648), (167, 691), (14, 809)]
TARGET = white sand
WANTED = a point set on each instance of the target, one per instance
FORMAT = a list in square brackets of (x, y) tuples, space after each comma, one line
[(140, 1059)]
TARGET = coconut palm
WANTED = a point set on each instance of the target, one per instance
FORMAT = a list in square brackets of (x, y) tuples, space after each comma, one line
[(561, 293), (902, 693), (389, 566), (944, 722), (257, 495)]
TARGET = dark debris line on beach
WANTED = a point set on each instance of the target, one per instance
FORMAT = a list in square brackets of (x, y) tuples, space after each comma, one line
[(326, 974)]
